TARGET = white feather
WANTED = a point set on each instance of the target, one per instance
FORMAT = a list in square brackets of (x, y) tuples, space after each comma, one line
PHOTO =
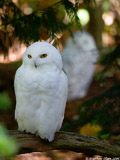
[(41, 92)]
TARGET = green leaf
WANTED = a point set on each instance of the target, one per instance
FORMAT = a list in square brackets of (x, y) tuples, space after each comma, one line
[(105, 136), (8, 146), (5, 101)]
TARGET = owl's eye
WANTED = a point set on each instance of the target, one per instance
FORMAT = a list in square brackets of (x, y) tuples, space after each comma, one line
[(43, 55), (29, 56)]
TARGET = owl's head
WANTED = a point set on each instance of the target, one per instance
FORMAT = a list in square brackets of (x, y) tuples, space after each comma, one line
[(83, 41), (42, 53)]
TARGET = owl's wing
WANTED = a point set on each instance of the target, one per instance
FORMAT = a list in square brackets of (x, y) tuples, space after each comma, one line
[(17, 87), (62, 97), (17, 79)]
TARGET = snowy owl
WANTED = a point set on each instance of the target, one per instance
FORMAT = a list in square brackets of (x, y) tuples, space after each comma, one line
[(41, 91), (79, 57)]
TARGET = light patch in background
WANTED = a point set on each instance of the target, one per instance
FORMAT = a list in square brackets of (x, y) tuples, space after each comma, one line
[(28, 10), (107, 39), (66, 19), (84, 16), (15, 53), (15, 1), (108, 18)]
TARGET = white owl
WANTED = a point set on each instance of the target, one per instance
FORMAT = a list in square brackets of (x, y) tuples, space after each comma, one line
[(79, 57), (41, 91)]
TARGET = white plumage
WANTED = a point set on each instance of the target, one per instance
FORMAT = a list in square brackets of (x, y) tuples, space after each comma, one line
[(41, 91), (79, 57)]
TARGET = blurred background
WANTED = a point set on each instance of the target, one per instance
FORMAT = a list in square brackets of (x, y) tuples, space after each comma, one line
[(87, 33)]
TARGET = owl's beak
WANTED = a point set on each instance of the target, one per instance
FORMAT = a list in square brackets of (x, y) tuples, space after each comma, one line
[(35, 65)]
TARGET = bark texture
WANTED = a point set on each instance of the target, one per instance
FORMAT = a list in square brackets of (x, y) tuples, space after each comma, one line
[(67, 141)]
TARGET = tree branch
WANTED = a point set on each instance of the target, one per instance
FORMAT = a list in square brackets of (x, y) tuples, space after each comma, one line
[(67, 141)]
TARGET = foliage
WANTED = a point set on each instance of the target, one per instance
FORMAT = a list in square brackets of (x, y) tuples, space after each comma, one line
[(8, 146), (104, 109), (43, 23), (5, 101), (111, 64)]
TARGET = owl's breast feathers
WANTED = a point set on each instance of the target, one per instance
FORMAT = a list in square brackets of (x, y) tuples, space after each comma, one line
[(33, 80)]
